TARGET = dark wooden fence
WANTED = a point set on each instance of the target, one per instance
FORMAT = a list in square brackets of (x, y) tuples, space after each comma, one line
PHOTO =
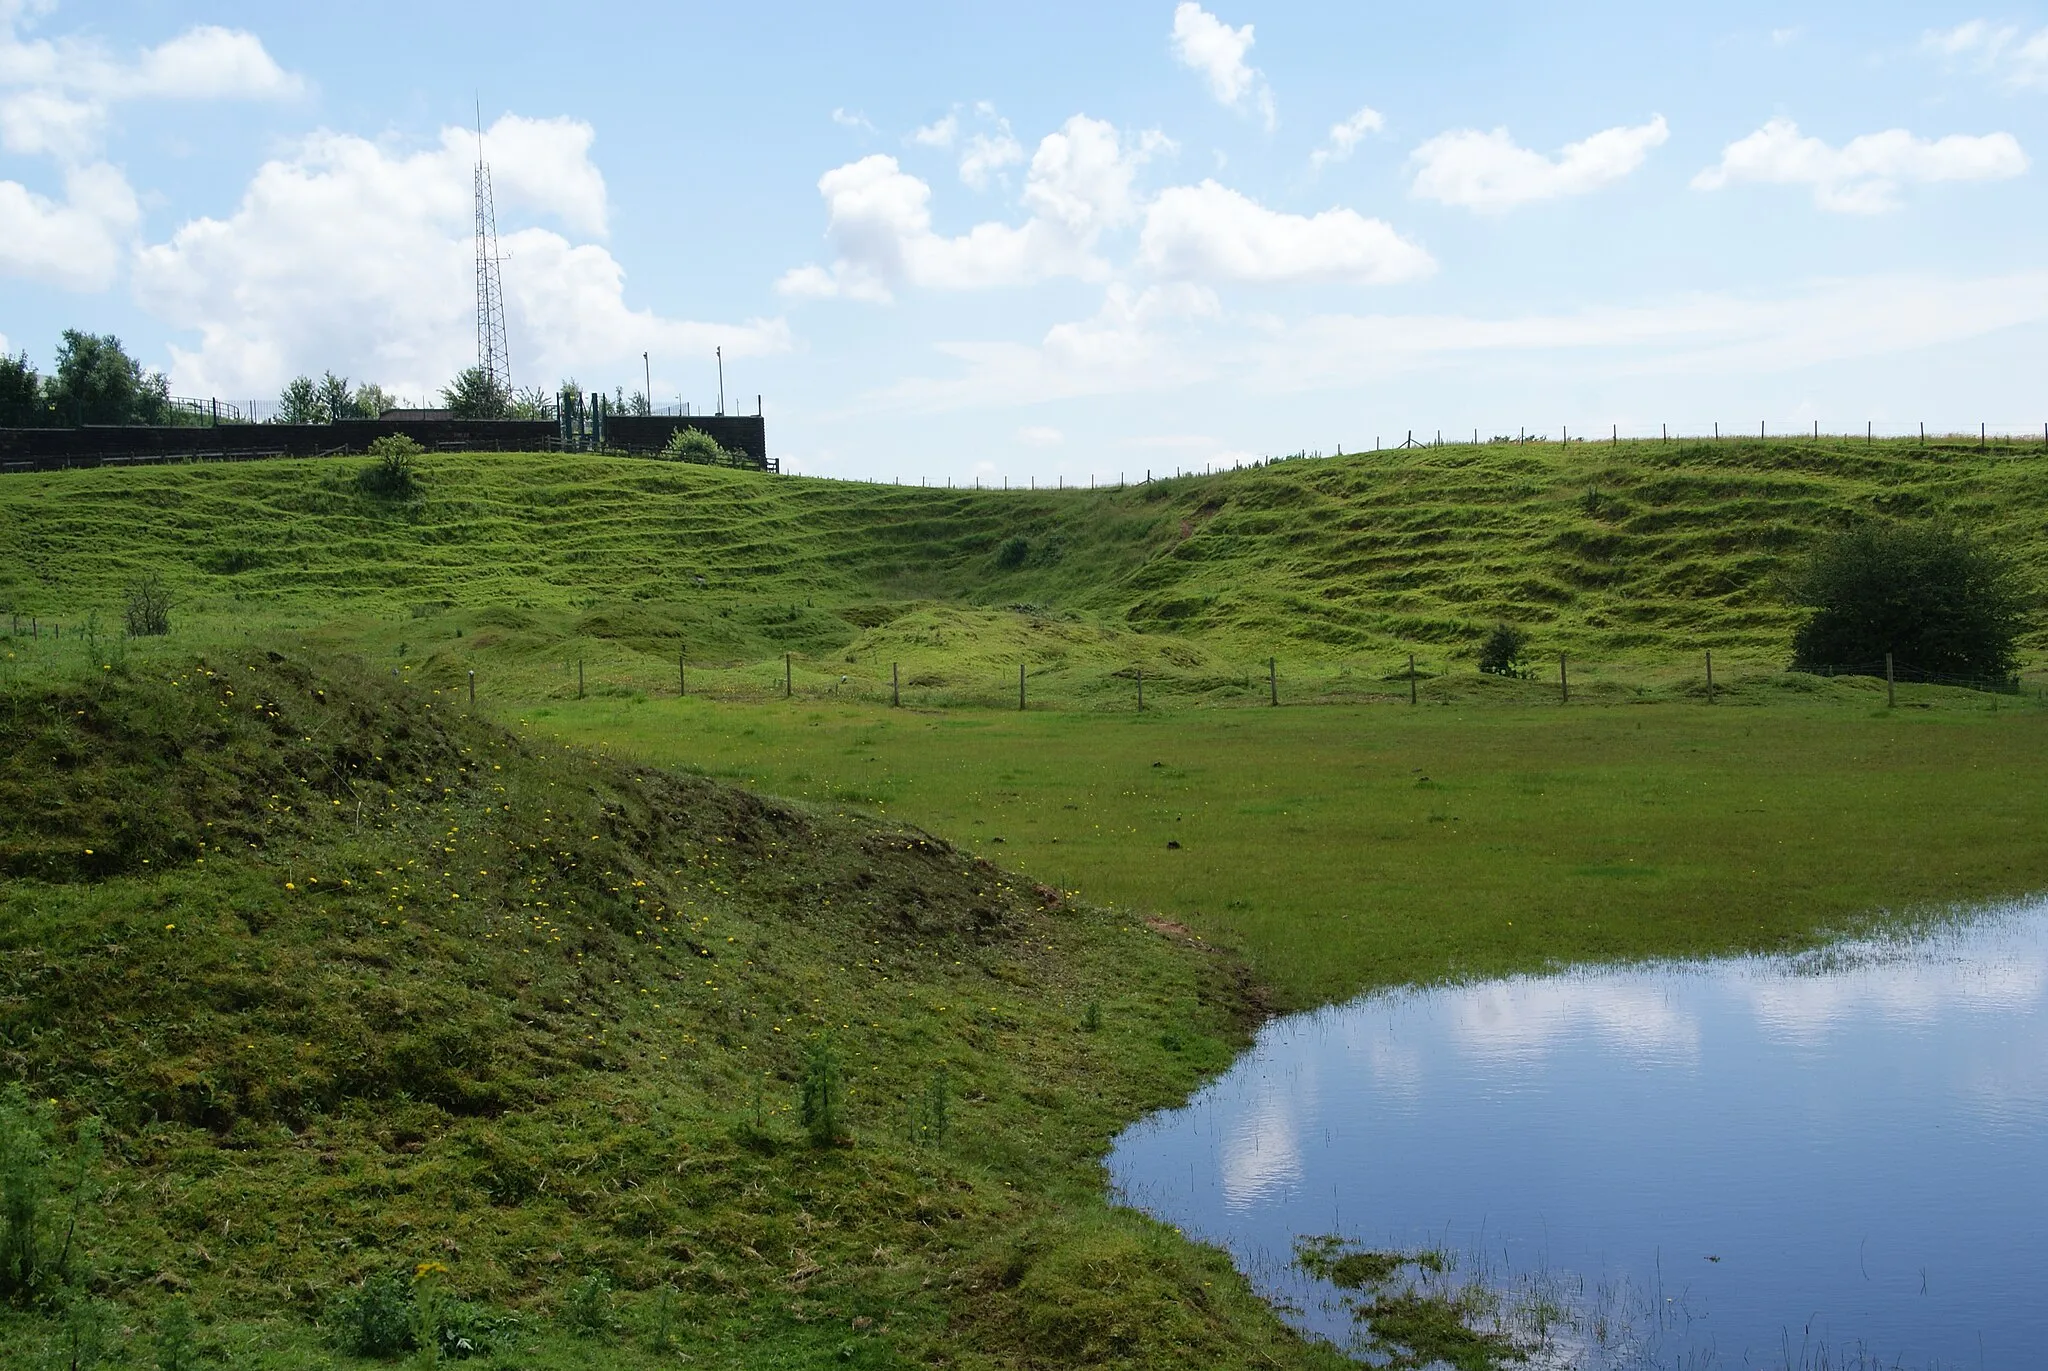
[(94, 445)]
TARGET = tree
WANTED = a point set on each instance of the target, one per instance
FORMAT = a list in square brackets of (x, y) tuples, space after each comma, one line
[(21, 394), (336, 400), (97, 382), (300, 402), (1501, 653), (476, 394), (1934, 597), (371, 401)]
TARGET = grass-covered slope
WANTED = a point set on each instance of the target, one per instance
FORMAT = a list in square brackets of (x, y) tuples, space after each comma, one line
[(355, 982), (1639, 552)]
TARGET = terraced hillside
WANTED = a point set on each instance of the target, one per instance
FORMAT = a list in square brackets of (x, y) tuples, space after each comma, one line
[(1642, 552)]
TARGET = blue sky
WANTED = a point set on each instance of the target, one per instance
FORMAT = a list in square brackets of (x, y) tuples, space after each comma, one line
[(1063, 240)]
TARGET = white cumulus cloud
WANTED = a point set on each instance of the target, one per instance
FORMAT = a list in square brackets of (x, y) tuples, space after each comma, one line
[(2019, 59), (77, 242), (1863, 176), (879, 221), (1346, 136), (1209, 232), (1490, 172), (986, 154), (56, 99), (348, 255), (1205, 44), (940, 133)]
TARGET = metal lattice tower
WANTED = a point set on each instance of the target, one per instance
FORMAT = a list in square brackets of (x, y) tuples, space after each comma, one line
[(491, 352)]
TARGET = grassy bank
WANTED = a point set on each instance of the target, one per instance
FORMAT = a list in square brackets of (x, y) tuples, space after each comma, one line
[(354, 982), (1639, 556)]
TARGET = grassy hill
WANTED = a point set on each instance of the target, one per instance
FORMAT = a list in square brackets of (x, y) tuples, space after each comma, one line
[(354, 982), (385, 1008), (1632, 557)]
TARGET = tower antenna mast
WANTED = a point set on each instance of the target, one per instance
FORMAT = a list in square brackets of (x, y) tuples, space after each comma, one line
[(492, 356)]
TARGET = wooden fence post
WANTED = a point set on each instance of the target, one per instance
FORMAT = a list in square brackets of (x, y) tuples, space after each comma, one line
[(472, 688), (1020, 687), (895, 685), (786, 688), (1710, 678), (1273, 679), (1411, 678), (1141, 690), (682, 676), (1891, 698), (579, 678), (1564, 681)]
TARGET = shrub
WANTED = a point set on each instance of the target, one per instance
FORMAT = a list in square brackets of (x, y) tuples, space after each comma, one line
[(588, 1311), (149, 608), (695, 445), (375, 1319), (822, 1090), (37, 1225), (1012, 554), (1501, 653), (392, 472), (24, 1197), (1934, 597), (175, 1338)]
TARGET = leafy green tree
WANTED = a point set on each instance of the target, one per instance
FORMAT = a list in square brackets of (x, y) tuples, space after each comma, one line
[(337, 401), (97, 382), (21, 394), (1935, 597), (476, 394), (300, 402), (1501, 653), (371, 401)]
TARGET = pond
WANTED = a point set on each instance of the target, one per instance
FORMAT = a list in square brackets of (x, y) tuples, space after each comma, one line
[(1832, 1160)]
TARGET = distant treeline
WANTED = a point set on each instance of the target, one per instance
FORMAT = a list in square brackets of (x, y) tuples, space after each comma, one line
[(97, 382)]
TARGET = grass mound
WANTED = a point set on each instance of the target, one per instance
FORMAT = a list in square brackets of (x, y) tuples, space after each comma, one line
[(356, 984)]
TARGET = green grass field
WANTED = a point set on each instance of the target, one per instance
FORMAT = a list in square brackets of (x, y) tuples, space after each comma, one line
[(462, 1044), (1346, 848)]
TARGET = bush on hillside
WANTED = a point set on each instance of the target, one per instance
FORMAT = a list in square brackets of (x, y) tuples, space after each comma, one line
[(392, 472), (149, 608), (1936, 598), (695, 445), (1501, 653)]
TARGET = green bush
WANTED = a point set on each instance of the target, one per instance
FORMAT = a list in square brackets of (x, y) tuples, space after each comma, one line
[(1934, 597), (392, 472), (588, 1310), (1501, 653), (823, 1089), (695, 445), (149, 608), (374, 1319), (1012, 554), (38, 1224)]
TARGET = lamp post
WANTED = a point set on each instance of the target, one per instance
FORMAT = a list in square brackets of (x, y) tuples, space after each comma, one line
[(647, 372)]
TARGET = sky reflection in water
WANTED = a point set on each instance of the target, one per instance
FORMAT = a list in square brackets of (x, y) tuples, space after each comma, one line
[(1860, 1137)]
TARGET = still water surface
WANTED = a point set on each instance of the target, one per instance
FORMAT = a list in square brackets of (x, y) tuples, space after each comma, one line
[(1831, 1160)]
